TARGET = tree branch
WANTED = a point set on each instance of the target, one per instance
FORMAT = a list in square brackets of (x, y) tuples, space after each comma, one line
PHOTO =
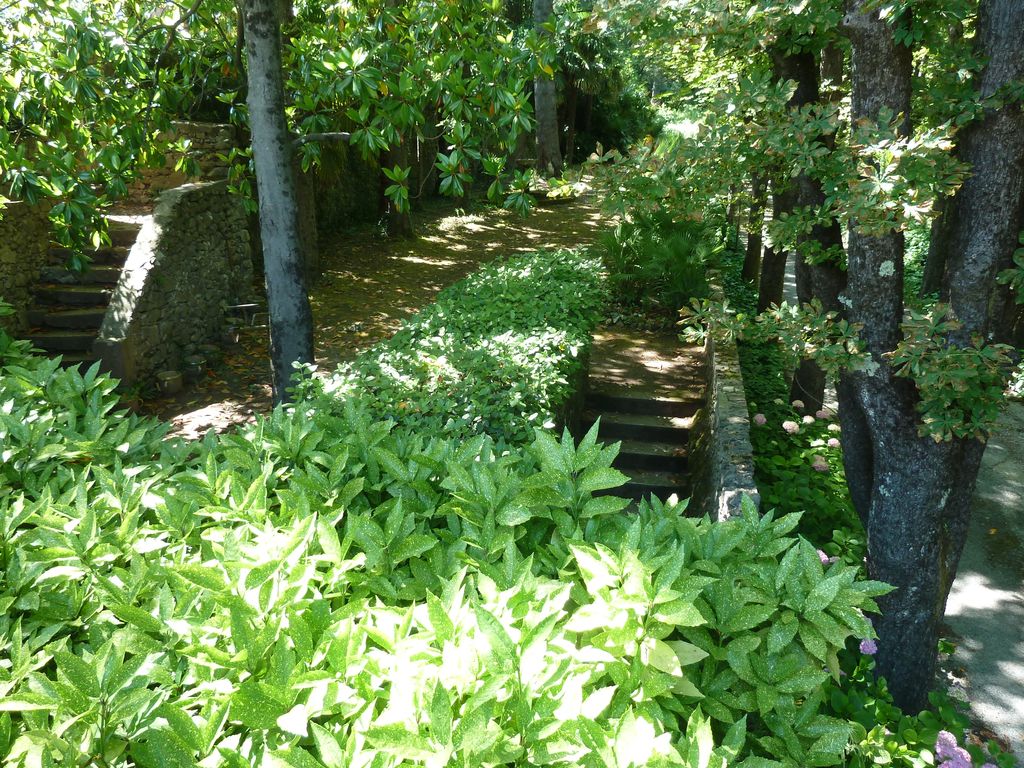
[(340, 137)]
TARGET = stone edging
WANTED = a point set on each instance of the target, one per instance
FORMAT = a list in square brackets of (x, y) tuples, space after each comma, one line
[(722, 458)]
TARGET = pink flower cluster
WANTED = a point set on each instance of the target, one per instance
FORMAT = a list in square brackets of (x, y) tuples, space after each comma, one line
[(819, 463), (825, 559), (760, 419), (791, 427), (868, 647), (952, 754)]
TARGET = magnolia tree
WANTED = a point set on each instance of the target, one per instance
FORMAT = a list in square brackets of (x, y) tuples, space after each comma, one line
[(870, 154)]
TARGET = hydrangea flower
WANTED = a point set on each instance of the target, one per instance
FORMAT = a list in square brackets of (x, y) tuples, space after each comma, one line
[(807, 419), (833, 427), (868, 647), (798, 404), (760, 419), (952, 754), (791, 427), (822, 414), (833, 442), (819, 464)]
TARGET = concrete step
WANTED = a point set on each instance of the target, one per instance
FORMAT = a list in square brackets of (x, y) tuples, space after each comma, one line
[(632, 426), (123, 233), (80, 319), (101, 274), (75, 295), (108, 256), (653, 406), (643, 455), (645, 483), (63, 341)]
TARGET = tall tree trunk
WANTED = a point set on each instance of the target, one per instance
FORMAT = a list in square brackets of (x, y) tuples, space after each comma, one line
[(913, 492), (399, 221), (823, 280), (291, 321), (545, 101), (986, 214), (773, 265), (571, 98), (755, 228), (935, 261)]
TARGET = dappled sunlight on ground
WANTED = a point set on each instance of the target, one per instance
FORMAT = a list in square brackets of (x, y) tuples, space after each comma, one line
[(368, 286)]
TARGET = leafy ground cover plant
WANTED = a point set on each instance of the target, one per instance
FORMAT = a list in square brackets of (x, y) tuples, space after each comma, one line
[(494, 355), (324, 589)]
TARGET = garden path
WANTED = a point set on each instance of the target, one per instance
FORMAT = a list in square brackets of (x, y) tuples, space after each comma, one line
[(369, 284)]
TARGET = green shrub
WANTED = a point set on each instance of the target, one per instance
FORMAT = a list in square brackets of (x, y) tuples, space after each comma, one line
[(657, 264), (321, 589), (496, 354)]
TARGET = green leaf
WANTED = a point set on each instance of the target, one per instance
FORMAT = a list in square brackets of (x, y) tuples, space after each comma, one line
[(331, 753), (79, 673), (823, 594), (397, 741), (600, 478), (441, 715)]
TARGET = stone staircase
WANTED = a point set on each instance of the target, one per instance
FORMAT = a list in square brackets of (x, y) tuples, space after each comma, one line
[(69, 308), (645, 389)]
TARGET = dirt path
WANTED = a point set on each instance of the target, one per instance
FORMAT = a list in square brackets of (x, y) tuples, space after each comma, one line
[(368, 286)]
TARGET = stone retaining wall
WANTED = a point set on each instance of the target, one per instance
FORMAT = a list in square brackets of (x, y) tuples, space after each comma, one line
[(721, 457), (191, 260), (24, 240), (209, 145)]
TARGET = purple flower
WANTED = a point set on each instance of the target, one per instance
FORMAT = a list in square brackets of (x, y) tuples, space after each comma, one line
[(868, 647), (760, 419), (945, 744), (822, 414), (833, 442), (822, 556), (791, 427)]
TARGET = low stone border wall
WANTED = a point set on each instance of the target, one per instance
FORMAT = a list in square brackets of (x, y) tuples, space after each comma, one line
[(721, 457), (24, 240), (191, 260)]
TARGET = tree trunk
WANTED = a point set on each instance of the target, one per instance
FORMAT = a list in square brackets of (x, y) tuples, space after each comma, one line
[(291, 321), (913, 493), (986, 214), (755, 229), (545, 101), (399, 221), (824, 279), (571, 98), (773, 266), (935, 261)]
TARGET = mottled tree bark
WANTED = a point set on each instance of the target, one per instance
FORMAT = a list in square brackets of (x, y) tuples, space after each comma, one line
[(773, 265), (823, 280), (985, 215), (291, 322), (545, 102), (913, 492), (755, 229), (399, 221)]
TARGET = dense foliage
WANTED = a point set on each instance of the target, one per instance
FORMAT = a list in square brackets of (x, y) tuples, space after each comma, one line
[(656, 264), (499, 353), (325, 589)]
